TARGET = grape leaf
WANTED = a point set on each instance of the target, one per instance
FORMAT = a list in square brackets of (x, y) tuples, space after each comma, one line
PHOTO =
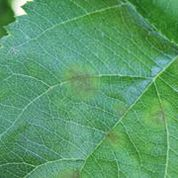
[(162, 14), (87, 89)]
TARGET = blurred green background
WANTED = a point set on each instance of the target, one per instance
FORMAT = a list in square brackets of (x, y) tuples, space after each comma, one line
[(8, 10), (6, 15)]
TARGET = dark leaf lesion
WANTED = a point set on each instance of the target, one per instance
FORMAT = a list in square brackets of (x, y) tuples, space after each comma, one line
[(82, 82), (112, 137)]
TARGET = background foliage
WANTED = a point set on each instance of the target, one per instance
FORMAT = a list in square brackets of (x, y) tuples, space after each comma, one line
[(6, 15)]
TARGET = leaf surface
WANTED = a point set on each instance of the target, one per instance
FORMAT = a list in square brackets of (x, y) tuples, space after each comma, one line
[(87, 89), (163, 14)]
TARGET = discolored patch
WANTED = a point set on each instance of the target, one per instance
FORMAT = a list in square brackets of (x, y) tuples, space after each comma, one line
[(82, 82), (117, 138), (69, 174), (76, 174), (158, 116), (120, 109), (112, 137), (59, 169), (155, 115)]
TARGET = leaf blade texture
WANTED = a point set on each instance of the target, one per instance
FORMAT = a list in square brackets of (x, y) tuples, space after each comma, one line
[(162, 14), (87, 89)]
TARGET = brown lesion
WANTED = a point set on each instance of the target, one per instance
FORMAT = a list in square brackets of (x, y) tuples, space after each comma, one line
[(69, 174), (82, 83), (159, 117), (112, 137), (76, 174), (120, 108), (155, 116)]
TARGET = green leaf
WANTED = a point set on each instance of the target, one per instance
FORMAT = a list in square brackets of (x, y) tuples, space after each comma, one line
[(87, 89), (163, 14)]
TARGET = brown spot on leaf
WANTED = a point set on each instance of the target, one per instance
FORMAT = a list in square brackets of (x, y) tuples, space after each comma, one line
[(82, 82), (120, 109), (155, 114), (159, 117), (112, 137), (76, 174)]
